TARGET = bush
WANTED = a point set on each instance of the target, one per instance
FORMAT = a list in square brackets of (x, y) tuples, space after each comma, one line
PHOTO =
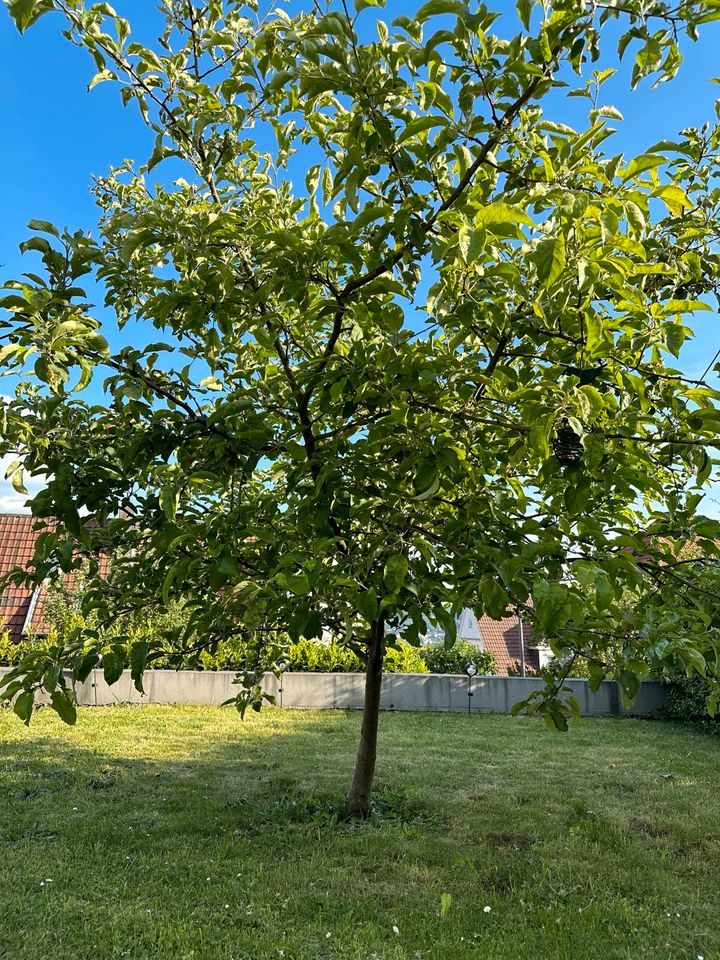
[(439, 660), (12, 652), (8, 650), (239, 653), (686, 696), (514, 669), (307, 656)]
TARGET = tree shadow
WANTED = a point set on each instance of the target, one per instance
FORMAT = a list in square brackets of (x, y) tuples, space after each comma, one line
[(134, 830)]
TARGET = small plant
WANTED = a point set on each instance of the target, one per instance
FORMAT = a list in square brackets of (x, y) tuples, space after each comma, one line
[(445, 904)]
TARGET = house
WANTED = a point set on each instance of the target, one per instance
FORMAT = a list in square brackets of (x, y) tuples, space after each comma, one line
[(502, 639), (21, 608)]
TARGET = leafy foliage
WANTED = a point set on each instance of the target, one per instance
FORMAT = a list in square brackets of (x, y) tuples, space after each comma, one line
[(440, 659), (241, 655), (687, 696), (292, 449)]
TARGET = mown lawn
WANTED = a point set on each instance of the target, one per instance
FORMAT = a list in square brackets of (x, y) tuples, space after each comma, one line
[(169, 832)]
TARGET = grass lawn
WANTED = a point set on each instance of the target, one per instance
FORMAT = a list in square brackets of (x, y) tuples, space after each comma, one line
[(179, 832)]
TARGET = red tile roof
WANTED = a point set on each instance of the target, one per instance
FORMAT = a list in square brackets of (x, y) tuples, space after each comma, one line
[(17, 543), (22, 608), (501, 638)]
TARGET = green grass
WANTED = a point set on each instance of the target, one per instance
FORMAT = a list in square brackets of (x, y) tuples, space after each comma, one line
[(187, 833)]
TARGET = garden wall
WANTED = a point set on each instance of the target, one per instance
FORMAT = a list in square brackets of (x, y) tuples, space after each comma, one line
[(400, 691)]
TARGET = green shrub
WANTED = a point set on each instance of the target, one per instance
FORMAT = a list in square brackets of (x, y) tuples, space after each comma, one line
[(240, 653), (405, 659), (307, 656), (686, 696), (12, 651), (439, 660), (8, 650), (514, 670)]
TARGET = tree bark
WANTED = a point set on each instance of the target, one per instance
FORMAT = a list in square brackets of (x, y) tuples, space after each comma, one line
[(358, 799)]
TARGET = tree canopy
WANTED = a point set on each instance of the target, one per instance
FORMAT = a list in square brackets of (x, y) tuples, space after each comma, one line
[(402, 342)]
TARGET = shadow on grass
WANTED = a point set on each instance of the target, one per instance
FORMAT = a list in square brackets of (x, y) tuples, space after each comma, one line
[(171, 831), (271, 780)]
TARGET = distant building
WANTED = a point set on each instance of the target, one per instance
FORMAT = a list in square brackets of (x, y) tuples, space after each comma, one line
[(502, 639), (21, 607)]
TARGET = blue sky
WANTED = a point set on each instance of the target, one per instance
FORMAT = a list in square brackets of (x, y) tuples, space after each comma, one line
[(56, 135)]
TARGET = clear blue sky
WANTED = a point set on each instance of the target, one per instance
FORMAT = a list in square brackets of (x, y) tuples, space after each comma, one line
[(56, 136)]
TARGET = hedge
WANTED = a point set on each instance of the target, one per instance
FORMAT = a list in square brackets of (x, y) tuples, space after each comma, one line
[(309, 656)]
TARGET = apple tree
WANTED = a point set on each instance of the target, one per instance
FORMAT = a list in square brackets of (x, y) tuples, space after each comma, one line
[(394, 340)]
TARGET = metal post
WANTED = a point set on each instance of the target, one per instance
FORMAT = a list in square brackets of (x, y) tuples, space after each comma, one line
[(282, 667), (470, 671), (522, 644)]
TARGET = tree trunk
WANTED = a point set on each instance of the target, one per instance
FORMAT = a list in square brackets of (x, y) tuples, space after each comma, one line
[(358, 799)]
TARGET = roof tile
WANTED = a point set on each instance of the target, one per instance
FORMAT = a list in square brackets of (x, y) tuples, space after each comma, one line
[(18, 534), (501, 638)]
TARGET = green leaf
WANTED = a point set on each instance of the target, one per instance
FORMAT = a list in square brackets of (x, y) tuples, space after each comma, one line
[(396, 570), (85, 665), (296, 583), (646, 161), (596, 675), (629, 684), (367, 605), (675, 199), (228, 565), (169, 501), (23, 706), (40, 244), (429, 491), (604, 592), (419, 125), (675, 334), (100, 78), (693, 660), (435, 7), (550, 259), (524, 9), (113, 666), (138, 660), (635, 217), (44, 226), (133, 240), (51, 677), (552, 605), (494, 597), (612, 113), (26, 12), (62, 703), (445, 904), (17, 482), (501, 213), (594, 400)]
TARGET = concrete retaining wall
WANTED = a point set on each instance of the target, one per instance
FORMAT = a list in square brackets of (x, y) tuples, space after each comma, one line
[(400, 691)]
